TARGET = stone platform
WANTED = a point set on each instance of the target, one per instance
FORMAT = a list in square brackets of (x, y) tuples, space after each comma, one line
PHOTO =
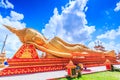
[(52, 75), (26, 66), (26, 61)]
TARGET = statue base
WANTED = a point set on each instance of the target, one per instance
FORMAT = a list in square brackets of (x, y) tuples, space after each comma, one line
[(26, 60)]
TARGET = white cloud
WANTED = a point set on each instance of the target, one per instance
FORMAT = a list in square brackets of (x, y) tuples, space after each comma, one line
[(117, 8), (13, 20), (86, 8), (16, 16), (71, 24), (6, 4), (12, 43), (112, 34)]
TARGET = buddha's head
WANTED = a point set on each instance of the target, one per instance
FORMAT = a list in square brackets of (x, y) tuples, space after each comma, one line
[(28, 35), (39, 38)]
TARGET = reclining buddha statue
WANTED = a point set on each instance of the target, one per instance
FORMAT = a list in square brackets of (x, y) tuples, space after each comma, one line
[(55, 47)]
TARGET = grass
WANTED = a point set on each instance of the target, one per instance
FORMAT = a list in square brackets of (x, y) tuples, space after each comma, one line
[(98, 76)]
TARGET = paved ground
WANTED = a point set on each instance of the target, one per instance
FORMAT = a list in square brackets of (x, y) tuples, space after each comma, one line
[(50, 75)]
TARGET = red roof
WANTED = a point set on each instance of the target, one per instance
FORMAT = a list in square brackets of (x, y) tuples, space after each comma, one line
[(70, 64)]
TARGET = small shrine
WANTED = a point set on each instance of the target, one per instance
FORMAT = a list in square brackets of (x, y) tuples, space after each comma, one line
[(3, 60), (71, 69)]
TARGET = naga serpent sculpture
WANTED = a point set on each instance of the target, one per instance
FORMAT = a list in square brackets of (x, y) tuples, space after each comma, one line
[(56, 47)]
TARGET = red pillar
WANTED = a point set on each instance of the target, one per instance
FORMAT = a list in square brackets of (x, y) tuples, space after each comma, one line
[(108, 64)]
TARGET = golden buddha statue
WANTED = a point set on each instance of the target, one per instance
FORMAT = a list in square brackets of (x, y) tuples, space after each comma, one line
[(56, 47)]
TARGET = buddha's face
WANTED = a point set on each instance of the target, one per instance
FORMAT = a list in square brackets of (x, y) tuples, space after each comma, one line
[(39, 39), (36, 37)]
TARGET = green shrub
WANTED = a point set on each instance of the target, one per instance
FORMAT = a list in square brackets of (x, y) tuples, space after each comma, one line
[(115, 69)]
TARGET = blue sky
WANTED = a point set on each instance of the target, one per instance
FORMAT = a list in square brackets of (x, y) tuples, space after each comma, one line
[(75, 21), (37, 13)]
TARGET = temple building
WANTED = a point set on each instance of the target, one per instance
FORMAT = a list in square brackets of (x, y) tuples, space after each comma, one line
[(98, 46), (2, 59)]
